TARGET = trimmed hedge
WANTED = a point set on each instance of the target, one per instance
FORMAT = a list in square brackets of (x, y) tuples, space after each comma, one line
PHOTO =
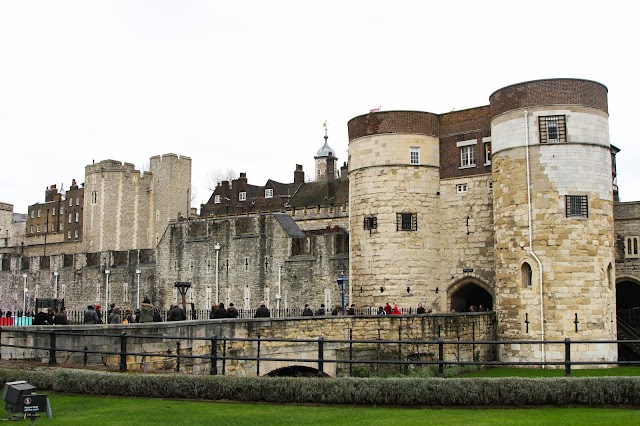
[(503, 391)]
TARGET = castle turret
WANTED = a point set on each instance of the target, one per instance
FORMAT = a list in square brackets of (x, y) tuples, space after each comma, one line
[(553, 212)]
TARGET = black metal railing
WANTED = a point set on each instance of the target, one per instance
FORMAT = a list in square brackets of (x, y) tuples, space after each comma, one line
[(221, 353)]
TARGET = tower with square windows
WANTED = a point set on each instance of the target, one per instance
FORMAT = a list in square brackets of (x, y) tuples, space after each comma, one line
[(553, 213)]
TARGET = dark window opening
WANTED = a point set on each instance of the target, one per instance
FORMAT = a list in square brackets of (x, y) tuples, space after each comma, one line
[(577, 205), (370, 223), (342, 244), (406, 222), (552, 129)]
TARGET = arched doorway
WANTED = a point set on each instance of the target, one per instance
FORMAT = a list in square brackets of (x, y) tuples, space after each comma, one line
[(627, 295), (469, 295), (295, 371)]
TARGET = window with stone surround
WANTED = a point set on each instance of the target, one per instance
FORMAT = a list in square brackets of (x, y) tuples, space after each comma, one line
[(268, 193), (462, 188), (576, 206), (406, 222), (370, 223), (631, 247), (414, 156), (552, 129), (526, 274), (467, 156)]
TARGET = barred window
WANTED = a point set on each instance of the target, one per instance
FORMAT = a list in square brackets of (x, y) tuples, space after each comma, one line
[(370, 222), (406, 222), (576, 205), (552, 128)]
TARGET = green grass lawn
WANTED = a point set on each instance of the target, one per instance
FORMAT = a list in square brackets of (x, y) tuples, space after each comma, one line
[(83, 410), (538, 372)]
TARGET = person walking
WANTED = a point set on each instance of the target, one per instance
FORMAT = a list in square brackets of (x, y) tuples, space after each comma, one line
[(91, 316)]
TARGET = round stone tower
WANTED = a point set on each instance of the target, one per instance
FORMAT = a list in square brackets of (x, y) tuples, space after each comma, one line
[(553, 213), (393, 189)]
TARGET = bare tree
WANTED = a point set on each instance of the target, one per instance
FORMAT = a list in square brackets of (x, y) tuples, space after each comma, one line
[(218, 175)]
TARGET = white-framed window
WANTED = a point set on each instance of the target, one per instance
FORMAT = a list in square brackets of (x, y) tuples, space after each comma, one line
[(60, 226), (631, 247), (33, 214), (268, 193), (39, 212), (414, 156), (527, 275), (208, 297), (75, 233), (242, 196), (125, 291), (69, 234), (487, 153), (94, 197), (77, 217), (31, 229), (467, 156), (77, 201), (70, 217), (70, 202), (462, 188), (217, 199), (38, 228), (54, 211), (61, 210)]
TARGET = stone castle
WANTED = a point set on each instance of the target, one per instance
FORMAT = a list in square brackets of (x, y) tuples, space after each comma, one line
[(508, 206)]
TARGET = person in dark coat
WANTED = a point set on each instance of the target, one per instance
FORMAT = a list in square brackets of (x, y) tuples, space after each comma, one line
[(321, 311), (262, 311), (91, 316), (61, 317), (232, 312), (352, 310), (307, 311), (176, 313), (41, 318), (221, 312)]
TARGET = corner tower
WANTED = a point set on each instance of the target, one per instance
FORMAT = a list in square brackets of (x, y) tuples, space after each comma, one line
[(393, 200), (553, 215)]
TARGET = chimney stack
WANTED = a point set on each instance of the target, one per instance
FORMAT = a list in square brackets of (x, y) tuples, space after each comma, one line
[(298, 175)]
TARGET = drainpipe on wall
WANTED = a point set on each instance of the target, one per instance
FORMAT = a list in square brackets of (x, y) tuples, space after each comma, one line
[(530, 225)]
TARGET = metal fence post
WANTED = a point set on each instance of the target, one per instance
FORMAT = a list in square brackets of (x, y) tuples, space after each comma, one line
[(258, 361), (441, 357), (178, 356), (214, 356), (567, 357), (320, 357), (52, 348), (350, 352), (123, 352)]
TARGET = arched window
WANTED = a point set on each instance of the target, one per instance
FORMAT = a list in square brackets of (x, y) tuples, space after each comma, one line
[(611, 276), (527, 275)]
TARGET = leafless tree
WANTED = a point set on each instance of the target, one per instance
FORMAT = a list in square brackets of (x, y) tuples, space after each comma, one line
[(218, 175)]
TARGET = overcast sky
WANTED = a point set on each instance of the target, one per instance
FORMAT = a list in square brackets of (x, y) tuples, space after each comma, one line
[(247, 85)]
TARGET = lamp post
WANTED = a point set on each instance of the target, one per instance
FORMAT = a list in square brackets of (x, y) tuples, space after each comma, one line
[(138, 272), (106, 293), (56, 289), (217, 248), (24, 295), (341, 280)]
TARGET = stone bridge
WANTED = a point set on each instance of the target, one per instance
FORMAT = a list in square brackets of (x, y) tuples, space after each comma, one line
[(148, 345)]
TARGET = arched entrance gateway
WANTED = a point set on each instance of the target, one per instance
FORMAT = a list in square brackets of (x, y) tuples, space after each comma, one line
[(628, 313), (470, 294)]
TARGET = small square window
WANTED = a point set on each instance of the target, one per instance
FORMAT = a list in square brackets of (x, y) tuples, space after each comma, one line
[(553, 129), (576, 206), (467, 156), (370, 222), (461, 188), (242, 196), (406, 222), (217, 199), (414, 156), (268, 193)]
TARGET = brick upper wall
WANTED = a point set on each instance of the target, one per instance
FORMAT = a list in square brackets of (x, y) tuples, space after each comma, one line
[(422, 123), (549, 92)]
